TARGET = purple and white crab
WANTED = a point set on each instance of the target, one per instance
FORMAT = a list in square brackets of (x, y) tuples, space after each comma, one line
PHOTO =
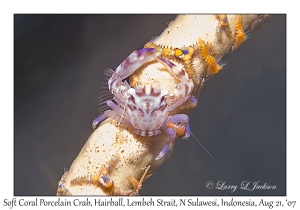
[(145, 108)]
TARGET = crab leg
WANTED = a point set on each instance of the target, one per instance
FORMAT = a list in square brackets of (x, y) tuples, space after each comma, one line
[(172, 133), (105, 115), (180, 118), (99, 119), (114, 113)]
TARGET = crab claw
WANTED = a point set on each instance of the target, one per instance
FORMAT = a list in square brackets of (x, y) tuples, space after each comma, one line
[(135, 60)]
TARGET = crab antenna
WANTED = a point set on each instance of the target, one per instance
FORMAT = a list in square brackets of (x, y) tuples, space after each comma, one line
[(205, 149)]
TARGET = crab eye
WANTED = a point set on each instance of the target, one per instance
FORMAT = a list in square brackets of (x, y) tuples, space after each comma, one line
[(131, 91), (164, 92)]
